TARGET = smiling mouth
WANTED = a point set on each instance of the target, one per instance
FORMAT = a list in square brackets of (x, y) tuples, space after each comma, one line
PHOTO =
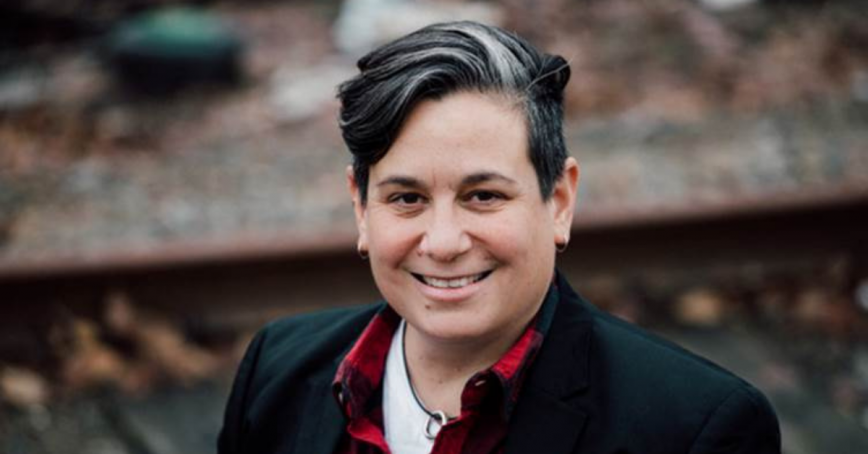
[(458, 282)]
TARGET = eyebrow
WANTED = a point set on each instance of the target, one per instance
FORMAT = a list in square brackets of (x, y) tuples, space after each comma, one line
[(483, 177), (470, 180), (401, 180)]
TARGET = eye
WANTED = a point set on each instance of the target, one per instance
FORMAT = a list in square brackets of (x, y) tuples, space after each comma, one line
[(406, 199), (483, 197)]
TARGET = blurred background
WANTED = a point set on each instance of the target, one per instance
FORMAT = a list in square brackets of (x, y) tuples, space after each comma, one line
[(172, 177)]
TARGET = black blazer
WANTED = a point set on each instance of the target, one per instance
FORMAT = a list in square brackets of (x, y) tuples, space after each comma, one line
[(598, 386)]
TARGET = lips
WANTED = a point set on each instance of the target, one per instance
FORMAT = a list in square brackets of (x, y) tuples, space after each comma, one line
[(451, 282)]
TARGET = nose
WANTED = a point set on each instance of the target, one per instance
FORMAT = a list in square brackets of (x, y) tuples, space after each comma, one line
[(445, 237)]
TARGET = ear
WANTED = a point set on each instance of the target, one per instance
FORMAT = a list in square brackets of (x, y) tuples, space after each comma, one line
[(563, 200), (358, 208)]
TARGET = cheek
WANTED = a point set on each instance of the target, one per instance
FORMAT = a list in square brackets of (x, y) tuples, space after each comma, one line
[(522, 235), (391, 241)]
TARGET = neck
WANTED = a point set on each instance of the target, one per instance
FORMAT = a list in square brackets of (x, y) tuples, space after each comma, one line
[(440, 369)]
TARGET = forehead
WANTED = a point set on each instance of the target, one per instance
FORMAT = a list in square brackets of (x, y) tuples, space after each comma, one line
[(461, 133)]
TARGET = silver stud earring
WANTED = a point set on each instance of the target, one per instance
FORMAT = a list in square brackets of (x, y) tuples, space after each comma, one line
[(562, 245)]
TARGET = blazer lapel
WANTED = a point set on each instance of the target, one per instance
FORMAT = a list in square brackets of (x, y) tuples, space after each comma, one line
[(324, 424), (547, 416)]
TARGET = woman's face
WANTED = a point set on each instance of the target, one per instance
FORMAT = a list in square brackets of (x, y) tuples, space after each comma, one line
[(461, 243)]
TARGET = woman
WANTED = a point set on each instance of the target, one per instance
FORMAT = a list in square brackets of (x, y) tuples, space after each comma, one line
[(463, 192)]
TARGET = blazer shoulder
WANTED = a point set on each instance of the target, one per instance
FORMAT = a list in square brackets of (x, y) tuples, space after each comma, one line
[(701, 400), (639, 348), (639, 357), (744, 423), (271, 383), (316, 336)]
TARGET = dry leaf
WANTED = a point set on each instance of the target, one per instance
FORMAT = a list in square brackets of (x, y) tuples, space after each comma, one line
[(701, 307), (23, 388), (91, 362)]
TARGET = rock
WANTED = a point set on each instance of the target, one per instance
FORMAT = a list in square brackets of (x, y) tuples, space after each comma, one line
[(859, 86), (301, 94), (167, 49), (39, 418), (22, 89), (364, 24), (772, 304), (860, 367), (779, 377), (105, 445), (23, 388), (845, 395), (820, 310), (119, 314), (76, 82), (725, 5), (117, 124), (861, 295), (810, 307)]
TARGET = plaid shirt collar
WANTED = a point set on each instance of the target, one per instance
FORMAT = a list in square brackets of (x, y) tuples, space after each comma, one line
[(359, 377)]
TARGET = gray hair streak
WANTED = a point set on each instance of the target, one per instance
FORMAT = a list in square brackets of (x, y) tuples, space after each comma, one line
[(446, 58)]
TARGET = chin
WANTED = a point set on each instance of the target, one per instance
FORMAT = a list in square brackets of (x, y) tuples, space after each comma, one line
[(453, 327)]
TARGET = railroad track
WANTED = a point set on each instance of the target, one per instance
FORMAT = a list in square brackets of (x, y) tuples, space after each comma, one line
[(204, 280)]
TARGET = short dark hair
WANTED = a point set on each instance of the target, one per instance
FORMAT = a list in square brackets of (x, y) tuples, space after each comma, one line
[(446, 58)]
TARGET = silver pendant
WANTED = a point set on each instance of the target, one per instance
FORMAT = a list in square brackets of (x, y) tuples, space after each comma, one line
[(440, 419)]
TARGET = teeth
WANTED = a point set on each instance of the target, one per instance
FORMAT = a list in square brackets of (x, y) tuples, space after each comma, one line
[(451, 283)]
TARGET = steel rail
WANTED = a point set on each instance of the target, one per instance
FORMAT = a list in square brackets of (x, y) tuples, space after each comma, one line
[(304, 245)]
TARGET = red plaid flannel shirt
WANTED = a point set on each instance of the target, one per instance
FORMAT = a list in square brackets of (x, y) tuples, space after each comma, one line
[(486, 402)]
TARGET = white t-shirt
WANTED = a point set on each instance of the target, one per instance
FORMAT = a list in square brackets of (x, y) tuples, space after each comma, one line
[(403, 419)]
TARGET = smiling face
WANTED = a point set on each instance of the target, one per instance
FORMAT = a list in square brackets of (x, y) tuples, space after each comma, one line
[(461, 243)]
